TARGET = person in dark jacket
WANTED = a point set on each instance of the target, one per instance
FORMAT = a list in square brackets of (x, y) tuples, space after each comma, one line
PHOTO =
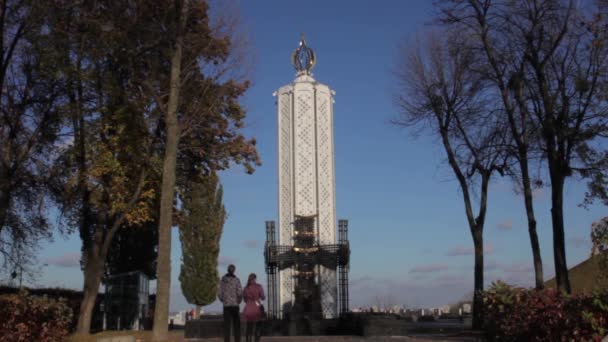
[(231, 295)]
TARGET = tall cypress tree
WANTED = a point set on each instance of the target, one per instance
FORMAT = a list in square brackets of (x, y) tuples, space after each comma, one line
[(200, 231)]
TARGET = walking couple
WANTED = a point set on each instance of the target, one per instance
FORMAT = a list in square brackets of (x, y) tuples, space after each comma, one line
[(231, 294)]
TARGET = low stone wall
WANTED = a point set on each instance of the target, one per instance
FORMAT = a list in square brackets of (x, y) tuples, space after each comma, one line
[(117, 339), (206, 327), (349, 325), (213, 327), (384, 326)]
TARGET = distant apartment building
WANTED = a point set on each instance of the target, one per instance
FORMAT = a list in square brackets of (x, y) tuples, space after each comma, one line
[(178, 318)]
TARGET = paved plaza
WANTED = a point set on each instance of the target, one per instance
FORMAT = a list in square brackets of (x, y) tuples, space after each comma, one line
[(413, 338)]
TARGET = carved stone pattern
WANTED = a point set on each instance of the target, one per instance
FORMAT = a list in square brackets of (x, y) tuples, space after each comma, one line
[(306, 146), (286, 292), (329, 292), (305, 188), (327, 225), (285, 286), (286, 215)]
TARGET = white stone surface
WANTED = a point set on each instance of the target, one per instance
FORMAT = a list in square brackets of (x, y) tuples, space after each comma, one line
[(307, 176)]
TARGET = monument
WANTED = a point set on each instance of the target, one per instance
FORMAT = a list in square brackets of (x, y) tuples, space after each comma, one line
[(307, 266)]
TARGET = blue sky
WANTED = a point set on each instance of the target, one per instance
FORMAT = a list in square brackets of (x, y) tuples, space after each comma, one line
[(409, 237)]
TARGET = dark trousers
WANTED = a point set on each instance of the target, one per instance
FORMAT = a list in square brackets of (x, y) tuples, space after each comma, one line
[(253, 331), (232, 319)]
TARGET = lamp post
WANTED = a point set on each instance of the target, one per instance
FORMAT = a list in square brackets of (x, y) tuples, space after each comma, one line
[(18, 272)]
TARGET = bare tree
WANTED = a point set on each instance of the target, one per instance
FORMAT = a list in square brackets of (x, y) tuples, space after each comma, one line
[(138, 81), (549, 62), (503, 65), (29, 125), (564, 76), (439, 91)]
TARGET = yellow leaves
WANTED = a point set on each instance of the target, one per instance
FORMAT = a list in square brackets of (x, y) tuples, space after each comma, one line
[(142, 212), (114, 173)]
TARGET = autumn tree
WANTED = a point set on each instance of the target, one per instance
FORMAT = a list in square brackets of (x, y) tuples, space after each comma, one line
[(29, 128), (203, 217), (135, 112), (598, 174), (202, 116), (439, 91), (106, 168), (134, 248), (551, 59)]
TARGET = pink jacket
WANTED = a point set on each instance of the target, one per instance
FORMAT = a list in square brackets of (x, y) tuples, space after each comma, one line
[(253, 296)]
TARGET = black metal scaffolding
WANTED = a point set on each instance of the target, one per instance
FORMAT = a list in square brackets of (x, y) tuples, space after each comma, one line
[(343, 268), (271, 273), (304, 257)]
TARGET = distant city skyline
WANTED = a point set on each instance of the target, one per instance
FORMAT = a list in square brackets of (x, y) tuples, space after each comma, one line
[(407, 227)]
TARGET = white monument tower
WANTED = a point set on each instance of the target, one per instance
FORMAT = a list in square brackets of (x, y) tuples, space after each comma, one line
[(306, 168), (308, 257)]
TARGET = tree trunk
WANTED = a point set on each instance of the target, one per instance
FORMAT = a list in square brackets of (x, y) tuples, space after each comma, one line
[(478, 294), (557, 215), (4, 205), (475, 226), (197, 312), (5, 187), (92, 278), (528, 201), (163, 271)]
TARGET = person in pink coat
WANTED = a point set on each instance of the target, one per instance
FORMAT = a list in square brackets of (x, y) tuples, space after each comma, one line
[(253, 295)]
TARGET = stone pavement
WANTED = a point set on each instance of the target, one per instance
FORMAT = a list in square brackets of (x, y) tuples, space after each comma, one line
[(413, 338)]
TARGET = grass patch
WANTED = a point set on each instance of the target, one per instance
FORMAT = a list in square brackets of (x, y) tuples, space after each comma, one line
[(584, 277)]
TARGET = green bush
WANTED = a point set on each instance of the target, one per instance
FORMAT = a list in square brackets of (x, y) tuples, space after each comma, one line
[(518, 314), (24, 317)]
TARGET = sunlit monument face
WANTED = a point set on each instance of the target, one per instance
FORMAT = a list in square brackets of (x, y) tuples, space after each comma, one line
[(306, 252), (306, 176)]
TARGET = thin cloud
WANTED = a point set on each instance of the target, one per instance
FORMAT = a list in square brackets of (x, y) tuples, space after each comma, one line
[(524, 267), (253, 244), (364, 281), (579, 241), (505, 225), (516, 273), (66, 260), (409, 292), (516, 267), (517, 278), (445, 279), (225, 261), (430, 268), (427, 251), (489, 248), (461, 250), (491, 266), (538, 193)]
